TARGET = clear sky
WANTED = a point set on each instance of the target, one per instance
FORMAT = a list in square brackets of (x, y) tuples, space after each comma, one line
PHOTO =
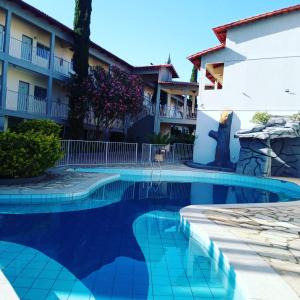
[(146, 31)]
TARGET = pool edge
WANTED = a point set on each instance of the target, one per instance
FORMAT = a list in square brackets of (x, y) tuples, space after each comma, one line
[(242, 260)]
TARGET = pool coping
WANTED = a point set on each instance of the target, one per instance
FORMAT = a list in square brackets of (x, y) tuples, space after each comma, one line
[(66, 194), (244, 260)]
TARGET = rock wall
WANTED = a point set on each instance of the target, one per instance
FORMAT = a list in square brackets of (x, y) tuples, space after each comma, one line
[(288, 150), (255, 157)]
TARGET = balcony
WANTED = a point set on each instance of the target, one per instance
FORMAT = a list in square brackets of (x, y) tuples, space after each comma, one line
[(38, 56), (63, 66), (177, 112), (33, 105)]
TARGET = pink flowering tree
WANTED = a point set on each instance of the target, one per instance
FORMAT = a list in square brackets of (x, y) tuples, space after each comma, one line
[(112, 97)]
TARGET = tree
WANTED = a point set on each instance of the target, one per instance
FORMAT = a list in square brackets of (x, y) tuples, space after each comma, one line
[(77, 95), (194, 75), (112, 97)]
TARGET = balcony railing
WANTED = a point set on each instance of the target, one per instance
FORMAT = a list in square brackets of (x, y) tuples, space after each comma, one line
[(24, 103), (63, 66), (25, 51), (177, 112), (59, 110)]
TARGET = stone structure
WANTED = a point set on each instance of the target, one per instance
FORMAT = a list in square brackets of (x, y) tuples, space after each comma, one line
[(271, 149), (222, 137)]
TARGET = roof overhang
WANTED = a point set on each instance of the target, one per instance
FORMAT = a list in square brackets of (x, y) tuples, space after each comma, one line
[(196, 58), (155, 69), (180, 88), (221, 31)]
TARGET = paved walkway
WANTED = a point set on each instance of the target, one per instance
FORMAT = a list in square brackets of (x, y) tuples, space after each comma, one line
[(273, 232)]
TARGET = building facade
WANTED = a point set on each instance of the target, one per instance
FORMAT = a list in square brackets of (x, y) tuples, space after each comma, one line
[(254, 69), (36, 60)]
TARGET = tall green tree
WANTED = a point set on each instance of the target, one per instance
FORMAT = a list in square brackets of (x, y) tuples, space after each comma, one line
[(194, 75), (78, 106)]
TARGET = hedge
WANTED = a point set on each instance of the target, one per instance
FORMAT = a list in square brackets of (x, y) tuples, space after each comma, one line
[(46, 127), (29, 153)]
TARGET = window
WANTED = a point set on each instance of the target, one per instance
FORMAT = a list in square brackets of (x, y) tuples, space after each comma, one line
[(214, 76), (40, 93), (42, 51)]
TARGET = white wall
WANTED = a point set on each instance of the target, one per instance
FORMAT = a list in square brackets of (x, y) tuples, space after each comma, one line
[(262, 63)]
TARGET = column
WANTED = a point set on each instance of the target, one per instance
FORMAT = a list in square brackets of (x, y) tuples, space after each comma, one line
[(5, 61), (157, 111), (50, 78), (193, 104), (185, 106)]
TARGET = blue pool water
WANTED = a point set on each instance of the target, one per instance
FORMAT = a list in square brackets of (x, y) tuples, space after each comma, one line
[(124, 241)]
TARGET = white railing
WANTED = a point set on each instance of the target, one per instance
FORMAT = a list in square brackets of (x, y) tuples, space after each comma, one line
[(25, 103), (177, 112), (80, 153), (166, 154), (63, 66), (172, 112), (97, 153), (26, 51), (59, 110)]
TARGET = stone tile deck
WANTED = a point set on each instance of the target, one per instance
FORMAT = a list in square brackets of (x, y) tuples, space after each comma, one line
[(273, 232), (57, 182)]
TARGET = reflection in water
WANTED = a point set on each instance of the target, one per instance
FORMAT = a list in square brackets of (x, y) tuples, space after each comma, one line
[(124, 242)]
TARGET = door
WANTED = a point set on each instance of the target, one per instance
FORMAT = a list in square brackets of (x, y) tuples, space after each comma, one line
[(26, 50), (1, 38), (23, 96)]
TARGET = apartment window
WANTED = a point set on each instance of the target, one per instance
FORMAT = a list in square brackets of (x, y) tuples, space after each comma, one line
[(214, 74), (40, 93), (42, 51)]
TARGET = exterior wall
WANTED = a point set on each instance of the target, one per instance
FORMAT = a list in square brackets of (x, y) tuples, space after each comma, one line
[(261, 63), (94, 62), (165, 129), (20, 27), (58, 93), (164, 74), (63, 50)]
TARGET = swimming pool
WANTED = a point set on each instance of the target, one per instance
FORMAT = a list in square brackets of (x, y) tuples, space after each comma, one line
[(124, 241)]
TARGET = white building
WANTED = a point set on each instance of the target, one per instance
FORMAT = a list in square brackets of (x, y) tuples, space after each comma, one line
[(255, 68)]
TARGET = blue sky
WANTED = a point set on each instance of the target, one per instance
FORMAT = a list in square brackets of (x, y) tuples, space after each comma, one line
[(146, 31)]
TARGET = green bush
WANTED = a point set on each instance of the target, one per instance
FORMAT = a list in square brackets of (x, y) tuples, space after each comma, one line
[(159, 139), (296, 117), (261, 118), (46, 127), (30, 150)]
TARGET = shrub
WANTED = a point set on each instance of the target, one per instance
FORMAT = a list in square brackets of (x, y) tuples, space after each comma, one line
[(185, 138), (296, 117), (159, 139), (46, 127), (261, 118), (27, 155), (30, 150)]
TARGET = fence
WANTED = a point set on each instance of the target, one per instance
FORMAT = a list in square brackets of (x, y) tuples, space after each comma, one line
[(96, 153), (166, 154), (79, 153)]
